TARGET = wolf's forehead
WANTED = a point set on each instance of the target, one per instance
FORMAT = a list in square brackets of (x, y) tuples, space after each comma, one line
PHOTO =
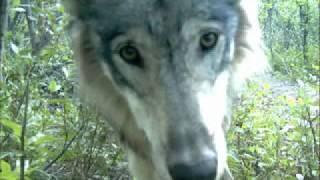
[(157, 13)]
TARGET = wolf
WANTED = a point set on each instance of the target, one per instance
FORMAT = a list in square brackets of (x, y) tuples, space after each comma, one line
[(164, 73)]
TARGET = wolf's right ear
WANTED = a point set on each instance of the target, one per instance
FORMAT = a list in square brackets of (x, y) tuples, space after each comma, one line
[(233, 2), (79, 9)]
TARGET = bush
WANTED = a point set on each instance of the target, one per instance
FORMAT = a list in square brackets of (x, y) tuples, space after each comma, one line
[(275, 136)]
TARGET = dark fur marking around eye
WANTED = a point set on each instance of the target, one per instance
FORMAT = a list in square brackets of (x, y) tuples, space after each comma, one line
[(107, 54), (131, 56)]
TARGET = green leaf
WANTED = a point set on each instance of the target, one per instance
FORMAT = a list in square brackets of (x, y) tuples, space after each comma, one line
[(5, 167), (14, 48), (53, 86), (15, 3), (19, 9), (6, 173), (45, 139), (16, 128)]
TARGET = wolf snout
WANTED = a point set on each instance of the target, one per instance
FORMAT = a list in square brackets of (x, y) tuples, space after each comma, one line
[(202, 170)]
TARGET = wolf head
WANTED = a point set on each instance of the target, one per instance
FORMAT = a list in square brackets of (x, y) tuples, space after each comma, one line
[(163, 73)]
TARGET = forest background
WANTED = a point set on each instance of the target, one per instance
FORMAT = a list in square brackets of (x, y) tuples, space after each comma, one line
[(46, 133)]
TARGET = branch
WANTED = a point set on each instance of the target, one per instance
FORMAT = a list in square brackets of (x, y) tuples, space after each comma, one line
[(24, 128), (314, 135), (64, 150), (25, 120)]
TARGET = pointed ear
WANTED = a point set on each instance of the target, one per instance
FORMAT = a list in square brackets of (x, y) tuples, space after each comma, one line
[(249, 50), (79, 9), (232, 2)]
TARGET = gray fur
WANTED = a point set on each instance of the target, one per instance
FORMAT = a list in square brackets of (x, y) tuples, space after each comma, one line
[(175, 106)]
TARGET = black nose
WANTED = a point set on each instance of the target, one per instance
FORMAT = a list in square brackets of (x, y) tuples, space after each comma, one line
[(203, 170)]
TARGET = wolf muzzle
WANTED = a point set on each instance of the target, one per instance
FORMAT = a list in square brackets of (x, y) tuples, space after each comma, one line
[(203, 170)]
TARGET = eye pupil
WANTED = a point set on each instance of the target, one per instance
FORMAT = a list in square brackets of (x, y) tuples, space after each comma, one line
[(129, 53), (208, 40)]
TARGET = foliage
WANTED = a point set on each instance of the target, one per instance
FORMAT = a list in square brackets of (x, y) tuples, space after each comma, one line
[(291, 33), (275, 136), (44, 127)]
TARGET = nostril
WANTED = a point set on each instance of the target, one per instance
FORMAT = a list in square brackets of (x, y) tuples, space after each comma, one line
[(204, 170)]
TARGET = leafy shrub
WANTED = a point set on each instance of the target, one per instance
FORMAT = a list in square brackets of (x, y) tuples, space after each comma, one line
[(275, 136)]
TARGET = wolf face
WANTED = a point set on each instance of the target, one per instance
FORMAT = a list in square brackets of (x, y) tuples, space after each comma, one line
[(163, 73)]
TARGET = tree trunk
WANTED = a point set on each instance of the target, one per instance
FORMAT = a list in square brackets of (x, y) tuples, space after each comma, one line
[(4, 6), (304, 20), (286, 35), (28, 13), (268, 26)]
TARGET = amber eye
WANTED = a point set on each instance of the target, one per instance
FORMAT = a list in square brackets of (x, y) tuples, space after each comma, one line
[(131, 55), (208, 40)]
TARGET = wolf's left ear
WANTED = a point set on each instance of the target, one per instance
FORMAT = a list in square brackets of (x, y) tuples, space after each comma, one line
[(249, 57)]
